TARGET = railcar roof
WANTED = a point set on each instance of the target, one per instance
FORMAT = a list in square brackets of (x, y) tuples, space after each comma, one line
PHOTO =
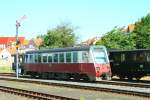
[(133, 50), (81, 48)]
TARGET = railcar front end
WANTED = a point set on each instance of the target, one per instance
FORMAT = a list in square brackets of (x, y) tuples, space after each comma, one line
[(101, 63)]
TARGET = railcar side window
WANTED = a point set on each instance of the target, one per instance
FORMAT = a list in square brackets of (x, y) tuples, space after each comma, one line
[(36, 58), (85, 56), (129, 57), (50, 58), (68, 57), (122, 57), (75, 57), (61, 57), (26, 58), (148, 57), (55, 58), (31, 59), (44, 58), (117, 57), (141, 57), (39, 58)]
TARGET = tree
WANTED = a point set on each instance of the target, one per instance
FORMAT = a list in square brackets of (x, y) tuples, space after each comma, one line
[(61, 36), (118, 39), (142, 30)]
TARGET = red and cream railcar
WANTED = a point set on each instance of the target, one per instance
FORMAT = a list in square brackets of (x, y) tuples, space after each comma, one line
[(87, 63)]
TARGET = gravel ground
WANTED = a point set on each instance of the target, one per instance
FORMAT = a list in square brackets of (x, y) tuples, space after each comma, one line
[(7, 96), (68, 92)]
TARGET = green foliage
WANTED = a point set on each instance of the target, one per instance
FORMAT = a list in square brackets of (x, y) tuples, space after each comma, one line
[(61, 36), (139, 38), (142, 30), (118, 39)]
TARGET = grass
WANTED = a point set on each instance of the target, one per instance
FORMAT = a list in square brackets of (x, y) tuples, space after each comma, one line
[(6, 69)]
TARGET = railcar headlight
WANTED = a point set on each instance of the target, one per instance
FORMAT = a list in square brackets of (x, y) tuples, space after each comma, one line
[(97, 68)]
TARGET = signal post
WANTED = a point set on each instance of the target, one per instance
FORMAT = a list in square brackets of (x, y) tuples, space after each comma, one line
[(18, 44)]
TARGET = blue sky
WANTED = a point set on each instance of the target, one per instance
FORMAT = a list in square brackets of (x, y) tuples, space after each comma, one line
[(92, 17)]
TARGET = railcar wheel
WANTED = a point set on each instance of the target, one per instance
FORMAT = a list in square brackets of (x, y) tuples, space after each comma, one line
[(67, 76), (106, 77), (33, 75), (51, 76), (44, 75), (76, 77), (85, 77)]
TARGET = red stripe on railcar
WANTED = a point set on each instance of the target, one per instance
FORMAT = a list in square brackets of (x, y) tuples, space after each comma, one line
[(82, 68)]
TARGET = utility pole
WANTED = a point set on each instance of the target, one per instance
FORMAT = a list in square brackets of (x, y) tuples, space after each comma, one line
[(17, 44)]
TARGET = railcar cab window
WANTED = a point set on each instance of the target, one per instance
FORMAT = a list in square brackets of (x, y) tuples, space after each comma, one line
[(99, 55)]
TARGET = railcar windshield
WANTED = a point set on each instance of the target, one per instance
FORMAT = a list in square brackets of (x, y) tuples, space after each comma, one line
[(100, 55)]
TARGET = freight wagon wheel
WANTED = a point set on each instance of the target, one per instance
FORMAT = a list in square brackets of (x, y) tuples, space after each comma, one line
[(138, 78), (122, 77), (130, 77)]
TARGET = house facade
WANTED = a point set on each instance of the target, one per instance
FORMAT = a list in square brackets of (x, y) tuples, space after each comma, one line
[(5, 58), (7, 49)]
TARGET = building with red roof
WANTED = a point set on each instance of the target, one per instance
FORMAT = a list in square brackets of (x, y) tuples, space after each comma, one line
[(6, 42)]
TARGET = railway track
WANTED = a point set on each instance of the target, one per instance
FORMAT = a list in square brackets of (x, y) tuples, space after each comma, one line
[(121, 83), (115, 82), (141, 91), (32, 94), (8, 74)]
